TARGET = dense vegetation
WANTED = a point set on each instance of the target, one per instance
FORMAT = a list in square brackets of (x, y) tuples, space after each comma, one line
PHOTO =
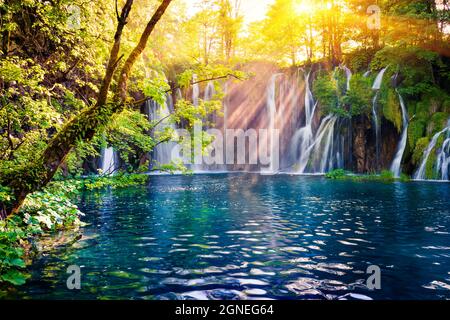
[(74, 76)]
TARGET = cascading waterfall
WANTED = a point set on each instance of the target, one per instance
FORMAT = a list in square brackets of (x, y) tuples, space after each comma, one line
[(195, 102), (162, 153), (210, 91), (379, 79), (195, 91), (303, 138), (328, 146), (179, 94), (324, 150), (349, 75), (377, 86), (272, 113), (443, 158), (396, 164), (225, 109), (109, 161), (323, 146), (317, 146), (208, 95)]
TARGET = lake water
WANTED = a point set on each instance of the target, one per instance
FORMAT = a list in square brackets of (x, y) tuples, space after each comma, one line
[(247, 236)]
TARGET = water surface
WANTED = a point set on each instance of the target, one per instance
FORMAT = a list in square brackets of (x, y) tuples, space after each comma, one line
[(246, 236)]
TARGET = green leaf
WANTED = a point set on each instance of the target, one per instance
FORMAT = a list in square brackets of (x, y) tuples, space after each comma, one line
[(17, 263), (15, 277)]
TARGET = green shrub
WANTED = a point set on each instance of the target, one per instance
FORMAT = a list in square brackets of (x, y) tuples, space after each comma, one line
[(404, 177), (386, 176), (43, 212), (360, 95), (325, 89), (336, 174)]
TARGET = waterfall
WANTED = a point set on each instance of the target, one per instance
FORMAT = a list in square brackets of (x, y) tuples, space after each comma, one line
[(178, 94), (304, 135), (109, 161), (272, 112), (310, 106), (443, 159), (324, 150), (379, 79), (366, 74), (225, 103), (195, 91), (162, 153), (209, 91), (396, 164), (349, 75), (377, 129), (323, 146), (208, 95), (225, 109), (376, 86)]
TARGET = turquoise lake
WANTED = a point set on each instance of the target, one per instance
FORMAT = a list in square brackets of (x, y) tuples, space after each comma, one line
[(249, 236)]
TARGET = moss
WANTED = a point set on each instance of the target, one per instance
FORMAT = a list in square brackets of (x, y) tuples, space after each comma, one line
[(430, 172), (419, 149), (422, 110), (446, 105), (429, 168), (416, 131), (438, 122), (391, 108)]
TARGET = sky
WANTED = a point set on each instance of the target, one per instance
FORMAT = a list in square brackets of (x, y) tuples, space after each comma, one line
[(252, 10)]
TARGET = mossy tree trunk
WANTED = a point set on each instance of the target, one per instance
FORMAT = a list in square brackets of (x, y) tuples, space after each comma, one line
[(83, 127)]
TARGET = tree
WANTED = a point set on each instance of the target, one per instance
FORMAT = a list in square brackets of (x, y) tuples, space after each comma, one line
[(230, 23), (282, 19), (83, 127)]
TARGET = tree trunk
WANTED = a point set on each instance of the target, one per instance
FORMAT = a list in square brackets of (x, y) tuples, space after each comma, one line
[(35, 176)]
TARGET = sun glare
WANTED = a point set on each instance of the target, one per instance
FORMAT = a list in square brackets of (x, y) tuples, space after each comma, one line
[(307, 6), (302, 7)]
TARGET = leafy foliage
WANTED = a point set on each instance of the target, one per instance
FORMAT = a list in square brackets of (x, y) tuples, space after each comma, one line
[(43, 212), (384, 176)]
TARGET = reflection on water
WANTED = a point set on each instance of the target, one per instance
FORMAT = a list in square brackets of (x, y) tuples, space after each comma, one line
[(245, 236)]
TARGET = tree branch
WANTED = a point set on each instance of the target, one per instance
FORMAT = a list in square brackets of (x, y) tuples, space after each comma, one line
[(140, 101), (121, 93), (114, 55)]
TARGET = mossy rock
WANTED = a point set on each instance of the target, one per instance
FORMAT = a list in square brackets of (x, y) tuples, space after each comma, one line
[(446, 105), (429, 168), (416, 130), (392, 110), (422, 110), (419, 149), (438, 122), (430, 172)]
